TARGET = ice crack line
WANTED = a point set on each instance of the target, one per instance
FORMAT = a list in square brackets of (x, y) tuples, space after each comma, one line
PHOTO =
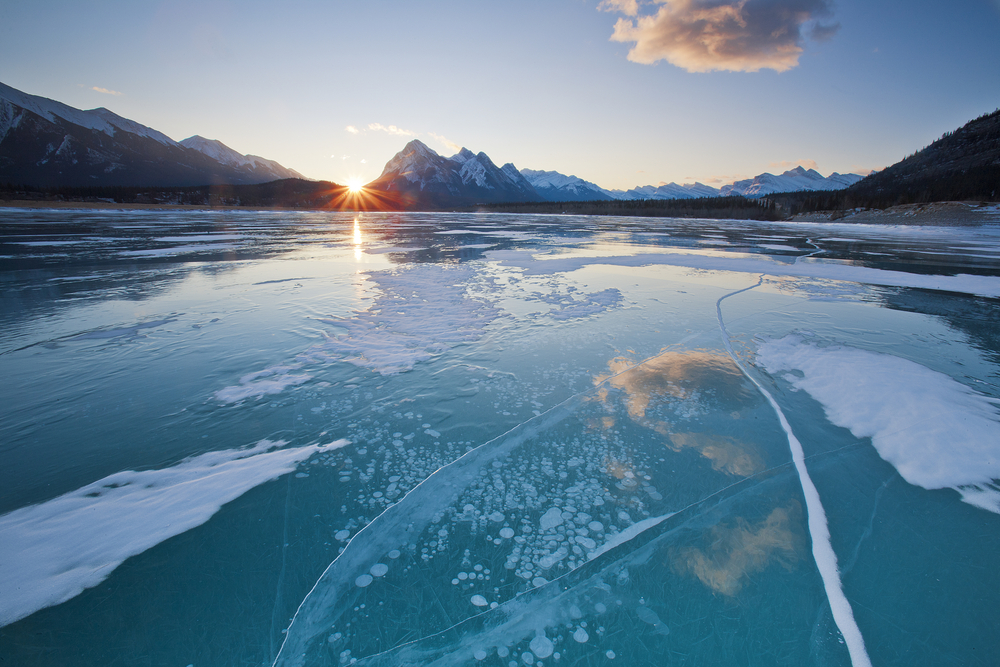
[(819, 531)]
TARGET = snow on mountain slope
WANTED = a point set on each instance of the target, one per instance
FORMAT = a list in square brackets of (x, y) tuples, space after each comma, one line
[(466, 177), (225, 155), (554, 186), (793, 180), (47, 143), (670, 191), (131, 126), (99, 119)]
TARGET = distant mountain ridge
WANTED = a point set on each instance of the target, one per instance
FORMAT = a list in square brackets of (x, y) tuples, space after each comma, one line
[(553, 186), (47, 143), (794, 180), (417, 177)]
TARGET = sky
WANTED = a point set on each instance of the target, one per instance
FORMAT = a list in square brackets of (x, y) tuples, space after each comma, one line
[(622, 93)]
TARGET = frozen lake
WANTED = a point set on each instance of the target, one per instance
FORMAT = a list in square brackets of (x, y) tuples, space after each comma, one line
[(245, 438)]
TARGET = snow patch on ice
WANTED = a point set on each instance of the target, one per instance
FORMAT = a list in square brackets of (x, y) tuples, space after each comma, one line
[(934, 430), (51, 552), (421, 312), (535, 264), (275, 380)]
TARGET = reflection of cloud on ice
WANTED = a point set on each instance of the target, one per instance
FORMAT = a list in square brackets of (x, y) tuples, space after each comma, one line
[(737, 551), (735, 457), (677, 381), (935, 431), (53, 551)]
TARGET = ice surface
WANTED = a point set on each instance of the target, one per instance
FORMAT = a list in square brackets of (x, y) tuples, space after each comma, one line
[(935, 431), (51, 552), (178, 250), (633, 520), (272, 380), (420, 312), (819, 530), (962, 283)]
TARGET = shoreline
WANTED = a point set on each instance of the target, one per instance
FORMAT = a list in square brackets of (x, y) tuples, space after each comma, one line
[(936, 214)]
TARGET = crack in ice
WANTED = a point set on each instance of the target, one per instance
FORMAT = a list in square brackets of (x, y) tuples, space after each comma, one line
[(819, 530)]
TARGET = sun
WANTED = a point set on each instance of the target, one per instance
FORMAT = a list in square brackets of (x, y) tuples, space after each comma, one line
[(355, 185)]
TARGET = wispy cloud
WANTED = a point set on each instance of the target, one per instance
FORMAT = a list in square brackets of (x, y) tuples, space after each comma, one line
[(785, 165), (726, 179), (106, 91), (626, 7), (451, 145), (731, 35), (391, 129), (351, 129)]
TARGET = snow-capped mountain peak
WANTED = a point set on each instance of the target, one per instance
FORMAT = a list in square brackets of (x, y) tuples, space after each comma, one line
[(45, 142), (793, 180), (223, 154), (462, 156), (554, 186), (466, 177)]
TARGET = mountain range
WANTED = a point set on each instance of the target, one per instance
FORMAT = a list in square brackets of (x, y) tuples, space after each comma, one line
[(47, 143), (553, 186), (417, 177)]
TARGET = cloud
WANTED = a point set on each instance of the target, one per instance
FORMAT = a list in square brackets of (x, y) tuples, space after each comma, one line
[(391, 129), (724, 179), (106, 91), (626, 7), (785, 165), (451, 145), (351, 129), (731, 35)]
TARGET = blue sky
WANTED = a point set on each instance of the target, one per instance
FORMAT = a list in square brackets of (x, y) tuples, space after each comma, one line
[(541, 84)]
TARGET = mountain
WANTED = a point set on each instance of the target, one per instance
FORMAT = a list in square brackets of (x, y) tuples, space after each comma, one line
[(793, 180), (961, 165), (553, 186), (417, 177), (670, 191), (259, 169), (47, 143)]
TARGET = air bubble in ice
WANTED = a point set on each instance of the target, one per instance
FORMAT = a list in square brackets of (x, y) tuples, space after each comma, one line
[(581, 635), (541, 646), (478, 600), (379, 569), (507, 532), (363, 580)]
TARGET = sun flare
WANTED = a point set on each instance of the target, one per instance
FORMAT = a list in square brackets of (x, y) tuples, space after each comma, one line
[(355, 185)]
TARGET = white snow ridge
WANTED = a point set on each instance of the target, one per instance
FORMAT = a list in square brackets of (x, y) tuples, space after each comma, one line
[(937, 432)]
